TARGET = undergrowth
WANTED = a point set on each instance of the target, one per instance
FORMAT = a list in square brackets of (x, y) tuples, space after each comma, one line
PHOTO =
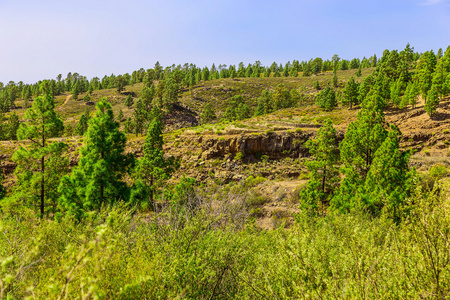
[(206, 247)]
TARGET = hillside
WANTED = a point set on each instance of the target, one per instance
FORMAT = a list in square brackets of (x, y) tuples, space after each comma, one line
[(269, 147)]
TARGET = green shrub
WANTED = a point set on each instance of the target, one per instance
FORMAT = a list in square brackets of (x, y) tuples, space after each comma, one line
[(438, 171), (254, 181), (239, 156)]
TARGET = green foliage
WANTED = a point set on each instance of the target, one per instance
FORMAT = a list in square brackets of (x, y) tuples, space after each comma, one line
[(2, 188), (324, 173), (251, 181), (129, 101), (97, 180), (33, 170), (8, 129), (425, 69), (87, 98), (153, 169), (140, 116), (281, 97), (239, 156), (350, 93), (82, 125), (317, 85), (388, 182), (237, 109), (120, 116), (326, 99), (438, 171), (432, 101), (208, 114), (264, 104), (201, 250), (362, 139), (129, 126)]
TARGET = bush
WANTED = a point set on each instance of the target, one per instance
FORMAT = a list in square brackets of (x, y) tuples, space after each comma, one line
[(239, 156)]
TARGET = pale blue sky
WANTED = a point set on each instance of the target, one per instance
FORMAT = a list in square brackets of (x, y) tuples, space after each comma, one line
[(41, 39)]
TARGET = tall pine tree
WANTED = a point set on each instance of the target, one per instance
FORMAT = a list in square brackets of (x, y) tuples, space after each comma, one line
[(31, 172), (153, 169), (97, 180), (323, 168)]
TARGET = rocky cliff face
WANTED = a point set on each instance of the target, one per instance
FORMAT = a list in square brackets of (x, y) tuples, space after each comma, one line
[(252, 146)]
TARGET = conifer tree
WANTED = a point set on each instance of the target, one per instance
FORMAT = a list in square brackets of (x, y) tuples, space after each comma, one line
[(358, 73), (388, 181), (335, 80), (153, 169), (97, 180), (82, 125), (326, 99), (120, 116), (31, 172), (439, 77), (396, 93), (139, 117), (281, 97), (207, 114), (350, 93), (120, 83), (146, 96), (362, 139), (76, 90), (129, 101), (12, 126), (128, 126), (432, 102), (317, 85), (323, 168), (87, 98), (413, 94), (425, 70)]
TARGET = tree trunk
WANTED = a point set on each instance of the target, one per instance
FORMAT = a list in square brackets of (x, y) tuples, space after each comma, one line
[(42, 186)]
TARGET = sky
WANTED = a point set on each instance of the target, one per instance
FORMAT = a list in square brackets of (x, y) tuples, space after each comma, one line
[(41, 39)]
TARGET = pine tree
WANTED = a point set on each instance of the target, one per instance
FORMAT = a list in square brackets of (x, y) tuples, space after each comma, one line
[(335, 80), (432, 102), (12, 126), (87, 98), (76, 90), (207, 114), (146, 96), (317, 85), (362, 139), (326, 99), (425, 70), (358, 73), (281, 97), (129, 101), (388, 181), (128, 127), (413, 94), (323, 169), (97, 180), (396, 93), (152, 170), (82, 125), (439, 77), (139, 117), (31, 172), (120, 116), (350, 93)]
